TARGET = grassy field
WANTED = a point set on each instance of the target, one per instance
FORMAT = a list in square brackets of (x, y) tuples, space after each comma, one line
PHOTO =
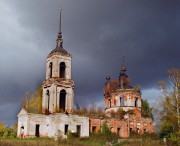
[(94, 140)]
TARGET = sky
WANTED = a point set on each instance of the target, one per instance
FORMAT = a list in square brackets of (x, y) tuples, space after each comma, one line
[(98, 33)]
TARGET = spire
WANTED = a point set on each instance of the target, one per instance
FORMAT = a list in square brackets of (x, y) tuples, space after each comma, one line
[(60, 20), (123, 68), (122, 74), (59, 38)]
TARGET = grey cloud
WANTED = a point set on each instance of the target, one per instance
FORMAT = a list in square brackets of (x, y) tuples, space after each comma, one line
[(97, 34)]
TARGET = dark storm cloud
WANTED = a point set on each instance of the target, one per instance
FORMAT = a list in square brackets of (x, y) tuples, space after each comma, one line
[(97, 33)]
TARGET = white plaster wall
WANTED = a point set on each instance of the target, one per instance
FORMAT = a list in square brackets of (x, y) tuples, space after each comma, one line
[(50, 124), (22, 121)]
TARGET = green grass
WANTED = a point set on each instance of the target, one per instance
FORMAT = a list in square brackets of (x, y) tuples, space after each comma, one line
[(93, 140)]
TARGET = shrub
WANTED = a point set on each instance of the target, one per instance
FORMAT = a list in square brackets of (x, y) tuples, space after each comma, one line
[(105, 129), (7, 132), (134, 135), (174, 138), (72, 135), (151, 136), (166, 130)]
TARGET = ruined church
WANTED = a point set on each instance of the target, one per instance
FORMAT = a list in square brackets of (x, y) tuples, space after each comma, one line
[(58, 102)]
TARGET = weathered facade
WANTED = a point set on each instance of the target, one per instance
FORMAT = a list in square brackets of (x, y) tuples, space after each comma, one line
[(58, 99), (41, 125), (122, 108)]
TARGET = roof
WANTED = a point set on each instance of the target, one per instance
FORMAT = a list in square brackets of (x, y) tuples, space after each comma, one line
[(59, 47), (60, 50)]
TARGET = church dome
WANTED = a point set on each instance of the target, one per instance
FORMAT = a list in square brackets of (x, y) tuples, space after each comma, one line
[(59, 47), (59, 50)]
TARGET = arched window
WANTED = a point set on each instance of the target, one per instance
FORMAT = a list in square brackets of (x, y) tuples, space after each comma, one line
[(62, 100), (136, 102), (48, 95), (121, 101), (114, 101), (50, 69), (62, 69), (109, 101)]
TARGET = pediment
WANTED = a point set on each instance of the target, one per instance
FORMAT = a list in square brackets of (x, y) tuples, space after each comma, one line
[(22, 112)]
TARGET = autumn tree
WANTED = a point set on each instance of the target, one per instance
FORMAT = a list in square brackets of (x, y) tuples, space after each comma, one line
[(100, 112), (2, 125), (33, 102), (92, 109), (146, 109), (170, 100)]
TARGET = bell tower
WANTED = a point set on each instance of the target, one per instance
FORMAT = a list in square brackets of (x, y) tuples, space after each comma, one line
[(58, 88)]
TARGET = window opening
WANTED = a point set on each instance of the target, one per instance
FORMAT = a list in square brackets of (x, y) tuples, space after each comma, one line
[(136, 102), (121, 101), (50, 69), (47, 93), (62, 70), (109, 102), (114, 101)]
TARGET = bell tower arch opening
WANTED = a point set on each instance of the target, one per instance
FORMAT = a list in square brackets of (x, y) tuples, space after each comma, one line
[(62, 70), (62, 100), (50, 69)]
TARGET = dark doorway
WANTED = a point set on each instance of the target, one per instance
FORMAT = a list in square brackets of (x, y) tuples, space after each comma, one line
[(144, 130), (118, 131), (66, 130), (37, 130), (130, 130), (94, 129), (62, 69), (78, 130), (62, 101), (137, 130), (22, 132)]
